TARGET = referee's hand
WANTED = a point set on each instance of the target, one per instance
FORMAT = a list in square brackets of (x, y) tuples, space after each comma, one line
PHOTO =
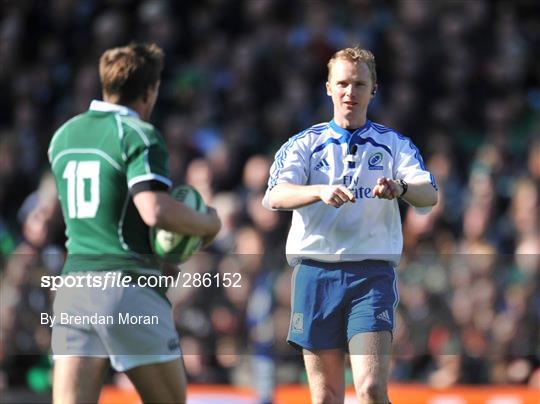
[(387, 188), (336, 195)]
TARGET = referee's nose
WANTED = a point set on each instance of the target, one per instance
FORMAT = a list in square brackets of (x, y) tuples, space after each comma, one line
[(350, 93)]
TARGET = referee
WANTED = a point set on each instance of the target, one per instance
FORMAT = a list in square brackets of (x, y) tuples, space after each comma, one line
[(342, 179)]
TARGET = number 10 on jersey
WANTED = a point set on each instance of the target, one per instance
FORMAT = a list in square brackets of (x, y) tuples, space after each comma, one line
[(82, 188)]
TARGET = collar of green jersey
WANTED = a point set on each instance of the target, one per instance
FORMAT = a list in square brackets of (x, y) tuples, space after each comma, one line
[(103, 106)]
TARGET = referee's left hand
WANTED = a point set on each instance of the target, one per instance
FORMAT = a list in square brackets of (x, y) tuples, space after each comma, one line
[(387, 188)]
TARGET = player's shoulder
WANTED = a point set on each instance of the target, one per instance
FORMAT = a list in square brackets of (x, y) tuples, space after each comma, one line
[(136, 124), (138, 130), (64, 130), (70, 123)]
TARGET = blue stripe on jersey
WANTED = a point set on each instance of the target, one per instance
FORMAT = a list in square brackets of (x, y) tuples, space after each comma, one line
[(281, 155), (338, 141), (383, 129), (344, 139), (347, 136), (362, 140)]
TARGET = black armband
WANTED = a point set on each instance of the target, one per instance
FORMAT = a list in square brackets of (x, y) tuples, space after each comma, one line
[(151, 185)]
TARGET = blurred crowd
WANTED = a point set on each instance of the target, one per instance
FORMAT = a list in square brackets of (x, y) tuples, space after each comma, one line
[(461, 78)]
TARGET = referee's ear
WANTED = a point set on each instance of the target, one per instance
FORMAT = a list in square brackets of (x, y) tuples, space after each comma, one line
[(374, 91)]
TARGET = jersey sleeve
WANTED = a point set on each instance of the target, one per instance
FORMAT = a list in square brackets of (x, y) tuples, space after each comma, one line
[(146, 158), (291, 164), (409, 165)]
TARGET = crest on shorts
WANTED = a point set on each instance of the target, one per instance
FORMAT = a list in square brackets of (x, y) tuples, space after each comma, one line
[(298, 323), (173, 344)]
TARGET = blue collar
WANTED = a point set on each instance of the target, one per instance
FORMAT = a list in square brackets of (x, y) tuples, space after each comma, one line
[(349, 133)]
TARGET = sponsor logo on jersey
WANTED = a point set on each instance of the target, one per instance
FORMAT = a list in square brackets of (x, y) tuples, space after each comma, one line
[(322, 165), (375, 160), (297, 323), (359, 191), (384, 316)]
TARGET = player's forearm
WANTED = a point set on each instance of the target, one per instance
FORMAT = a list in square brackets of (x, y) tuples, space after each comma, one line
[(421, 194), (176, 217), (159, 209), (291, 196)]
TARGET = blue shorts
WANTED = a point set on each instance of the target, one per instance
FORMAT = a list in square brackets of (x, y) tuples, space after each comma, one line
[(334, 301)]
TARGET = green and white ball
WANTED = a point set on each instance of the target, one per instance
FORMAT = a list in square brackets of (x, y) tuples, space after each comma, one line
[(177, 248)]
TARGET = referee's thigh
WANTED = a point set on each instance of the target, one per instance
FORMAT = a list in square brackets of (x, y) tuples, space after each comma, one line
[(324, 370), (370, 355)]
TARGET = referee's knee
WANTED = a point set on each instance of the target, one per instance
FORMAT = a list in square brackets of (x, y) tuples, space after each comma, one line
[(372, 391), (328, 398), (327, 395)]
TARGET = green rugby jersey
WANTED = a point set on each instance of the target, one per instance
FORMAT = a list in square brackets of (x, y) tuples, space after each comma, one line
[(99, 159)]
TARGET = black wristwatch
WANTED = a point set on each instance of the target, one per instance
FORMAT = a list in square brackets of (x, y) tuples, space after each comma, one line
[(404, 185)]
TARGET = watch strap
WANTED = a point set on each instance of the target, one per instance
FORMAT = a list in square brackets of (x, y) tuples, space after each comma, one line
[(404, 185)]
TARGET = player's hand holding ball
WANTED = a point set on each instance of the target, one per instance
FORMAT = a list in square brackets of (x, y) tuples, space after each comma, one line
[(177, 248), (216, 221)]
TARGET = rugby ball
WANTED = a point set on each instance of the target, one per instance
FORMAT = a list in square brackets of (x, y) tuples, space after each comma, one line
[(177, 248)]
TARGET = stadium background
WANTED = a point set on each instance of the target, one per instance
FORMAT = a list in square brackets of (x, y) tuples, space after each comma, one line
[(461, 78)]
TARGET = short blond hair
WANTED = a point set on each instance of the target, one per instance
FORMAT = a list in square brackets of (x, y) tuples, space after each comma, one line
[(355, 55)]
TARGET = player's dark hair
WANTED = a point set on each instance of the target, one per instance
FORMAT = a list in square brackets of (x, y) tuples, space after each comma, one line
[(129, 71)]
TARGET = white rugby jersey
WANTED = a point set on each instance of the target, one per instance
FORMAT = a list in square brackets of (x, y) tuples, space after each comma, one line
[(367, 229)]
